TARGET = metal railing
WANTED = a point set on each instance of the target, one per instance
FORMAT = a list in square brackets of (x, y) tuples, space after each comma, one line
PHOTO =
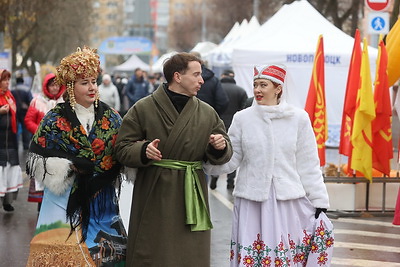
[(354, 180)]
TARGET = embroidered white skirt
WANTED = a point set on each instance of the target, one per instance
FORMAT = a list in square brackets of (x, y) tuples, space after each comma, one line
[(280, 233), (10, 179)]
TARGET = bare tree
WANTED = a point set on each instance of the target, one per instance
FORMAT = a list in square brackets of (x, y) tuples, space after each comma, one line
[(45, 35), (187, 31), (343, 14), (228, 12), (20, 23), (395, 13), (3, 10), (222, 14), (62, 30)]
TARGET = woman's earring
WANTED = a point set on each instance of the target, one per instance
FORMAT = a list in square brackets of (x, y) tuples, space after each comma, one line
[(97, 99), (71, 95)]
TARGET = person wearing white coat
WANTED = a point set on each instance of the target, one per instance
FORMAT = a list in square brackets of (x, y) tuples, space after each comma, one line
[(280, 196), (109, 93)]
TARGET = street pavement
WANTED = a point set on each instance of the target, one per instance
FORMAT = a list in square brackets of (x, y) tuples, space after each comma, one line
[(366, 240)]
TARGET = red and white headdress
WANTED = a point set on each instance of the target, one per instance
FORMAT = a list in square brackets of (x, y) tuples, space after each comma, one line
[(275, 73)]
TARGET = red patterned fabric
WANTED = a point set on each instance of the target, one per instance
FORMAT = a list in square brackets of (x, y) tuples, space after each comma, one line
[(272, 72), (7, 98)]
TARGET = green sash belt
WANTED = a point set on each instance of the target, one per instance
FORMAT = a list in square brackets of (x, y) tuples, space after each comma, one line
[(197, 215)]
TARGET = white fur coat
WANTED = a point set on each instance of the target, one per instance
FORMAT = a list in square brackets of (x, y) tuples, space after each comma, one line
[(274, 145), (56, 174), (52, 172)]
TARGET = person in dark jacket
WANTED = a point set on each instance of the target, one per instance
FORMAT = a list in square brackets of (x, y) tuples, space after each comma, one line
[(138, 87), (211, 91), (237, 96), (23, 98), (249, 102), (237, 99)]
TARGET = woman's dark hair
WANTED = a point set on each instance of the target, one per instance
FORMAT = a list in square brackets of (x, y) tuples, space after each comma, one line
[(51, 81), (276, 85)]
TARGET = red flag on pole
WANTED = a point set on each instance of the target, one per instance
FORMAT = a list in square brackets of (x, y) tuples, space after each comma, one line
[(382, 147), (349, 107), (315, 104)]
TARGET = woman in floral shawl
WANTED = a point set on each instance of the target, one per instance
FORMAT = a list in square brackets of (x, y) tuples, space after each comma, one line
[(72, 154)]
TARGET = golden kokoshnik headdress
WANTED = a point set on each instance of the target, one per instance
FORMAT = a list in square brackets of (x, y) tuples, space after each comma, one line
[(83, 63)]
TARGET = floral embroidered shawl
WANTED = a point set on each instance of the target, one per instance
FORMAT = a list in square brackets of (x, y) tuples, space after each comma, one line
[(60, 134)]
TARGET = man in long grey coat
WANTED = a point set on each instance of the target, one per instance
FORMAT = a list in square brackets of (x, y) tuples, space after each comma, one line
[(167, 136)]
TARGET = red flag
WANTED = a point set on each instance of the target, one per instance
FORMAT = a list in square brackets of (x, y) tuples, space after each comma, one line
[(396, 219), (315, 104), (382, 147), (349, 107)]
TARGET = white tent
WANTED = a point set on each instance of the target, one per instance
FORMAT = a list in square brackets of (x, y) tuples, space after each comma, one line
[(204, 48), (231, 34), (158, 65), (131, 64), (290, 37), (221, 56)]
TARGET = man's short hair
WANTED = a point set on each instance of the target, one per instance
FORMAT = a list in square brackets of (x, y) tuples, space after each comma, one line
[(178, 63), (228, 73), (19, 80)]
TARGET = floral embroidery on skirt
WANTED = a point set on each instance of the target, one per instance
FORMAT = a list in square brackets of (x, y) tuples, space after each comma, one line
[(280, 233)]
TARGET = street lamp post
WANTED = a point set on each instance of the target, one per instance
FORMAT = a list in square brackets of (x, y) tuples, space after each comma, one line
[(203, 21), (256, 4)]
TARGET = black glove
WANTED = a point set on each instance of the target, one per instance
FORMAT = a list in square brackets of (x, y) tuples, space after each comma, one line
[(318, 211)]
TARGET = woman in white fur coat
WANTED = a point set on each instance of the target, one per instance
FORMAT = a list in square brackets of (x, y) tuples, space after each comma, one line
[(280, 197)]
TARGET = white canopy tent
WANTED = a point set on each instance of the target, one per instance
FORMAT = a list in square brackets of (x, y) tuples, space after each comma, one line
[(221, 57), (204, 48), (231, 34), (290, 37), (158, 65), (131, 64)]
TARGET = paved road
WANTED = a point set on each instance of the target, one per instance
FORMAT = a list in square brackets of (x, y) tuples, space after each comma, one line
[(360, 241)]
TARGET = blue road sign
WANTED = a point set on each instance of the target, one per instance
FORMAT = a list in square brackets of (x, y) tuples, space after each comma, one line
[(378, 23)]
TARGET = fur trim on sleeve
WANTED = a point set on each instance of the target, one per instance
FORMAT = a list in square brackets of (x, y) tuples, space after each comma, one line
[(53, 172), (129, 174)]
